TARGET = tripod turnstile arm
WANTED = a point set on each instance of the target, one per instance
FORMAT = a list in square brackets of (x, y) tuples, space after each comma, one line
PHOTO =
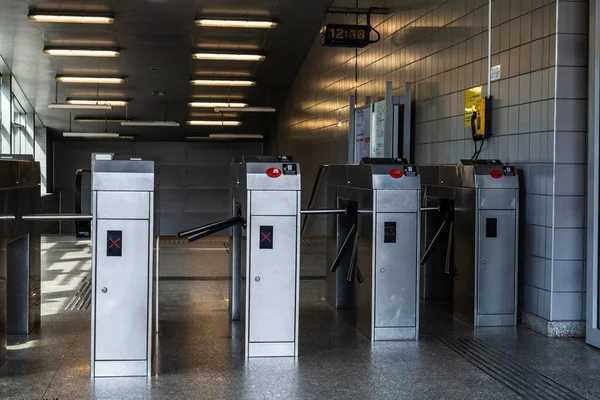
[(343, 248), (199, 229), (213, 228), (431, 246), (325, 211), (449, 249)]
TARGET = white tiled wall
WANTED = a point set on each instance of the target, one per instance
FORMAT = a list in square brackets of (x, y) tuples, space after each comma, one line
[(539, 113)]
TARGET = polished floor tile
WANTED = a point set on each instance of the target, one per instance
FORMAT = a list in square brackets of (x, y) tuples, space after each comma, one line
[(200, 354)]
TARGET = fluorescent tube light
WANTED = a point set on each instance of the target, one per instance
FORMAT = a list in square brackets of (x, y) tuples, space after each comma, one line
[(213, 104), (221, 82), (150, 123), (82, 52), (231, 23), (84, 79), (71, 19), (228, 56), (80, 106), (245, 109), (112, 103), (213, 123), (90, 135), (235, 136), (99, 120)]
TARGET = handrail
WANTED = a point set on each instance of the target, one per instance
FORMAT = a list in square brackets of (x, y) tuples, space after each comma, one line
[(57, 217), (311, 199)]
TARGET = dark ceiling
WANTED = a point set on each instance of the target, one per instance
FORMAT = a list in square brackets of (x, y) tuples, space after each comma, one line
[(157, 38)]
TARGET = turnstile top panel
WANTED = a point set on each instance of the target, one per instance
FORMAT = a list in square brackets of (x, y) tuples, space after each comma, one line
[(476, 174), (266, 175), (18, 171), (122, 174), (378, 174)]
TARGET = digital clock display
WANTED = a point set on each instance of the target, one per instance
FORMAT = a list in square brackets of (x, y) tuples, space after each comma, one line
[(346, 35)]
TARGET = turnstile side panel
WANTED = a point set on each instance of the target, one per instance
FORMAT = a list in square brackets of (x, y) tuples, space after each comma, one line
[(496, 275), (272, 281), (283, 202), (366, 259), (18, 288), (396, 271), (123, 205), (497, 199), (121, 310), (463, 268), (398, 201)]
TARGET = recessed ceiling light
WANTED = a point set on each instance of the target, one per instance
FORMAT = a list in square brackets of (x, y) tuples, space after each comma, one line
[(228, 56), (81, 52), (245, 109), (213, 123), (71, 19), (232, 23), (156, 69), (84, 79), (221, 82), (80, 106), (112, 103), (90, 134), (213, 104)]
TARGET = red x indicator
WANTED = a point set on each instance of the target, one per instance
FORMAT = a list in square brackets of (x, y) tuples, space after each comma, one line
[(266, 237), (114, 244)]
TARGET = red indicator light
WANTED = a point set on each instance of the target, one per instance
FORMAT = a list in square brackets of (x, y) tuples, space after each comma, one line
[(496, 174), (396, 173), (274, 172)]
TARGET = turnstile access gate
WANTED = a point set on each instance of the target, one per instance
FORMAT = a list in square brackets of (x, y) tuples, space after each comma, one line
[(20, 280), (123, 265), (264, 257), (376, 242), (479, 200)]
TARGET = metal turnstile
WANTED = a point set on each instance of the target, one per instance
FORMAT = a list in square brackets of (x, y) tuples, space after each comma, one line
[(20, 280), (122, 266), (375, 241), (479, 203), (264, 257)]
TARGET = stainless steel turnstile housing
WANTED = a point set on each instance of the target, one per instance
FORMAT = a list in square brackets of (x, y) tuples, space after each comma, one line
[(485, 197), (266, 193), (122, 266), (20, 280), (385, 193)]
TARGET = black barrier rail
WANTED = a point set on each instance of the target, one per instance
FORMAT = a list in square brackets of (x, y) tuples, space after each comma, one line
[(83, 229), (212, 228), (343, 248), (199, 229)]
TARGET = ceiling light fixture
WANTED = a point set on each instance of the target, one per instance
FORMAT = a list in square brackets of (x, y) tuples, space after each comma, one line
[(80, 106), (85, 79), (84, 120), (213, 123), (221, 82), (71, 19), (213, 104), (235, 136), (112, 103), (232, 23), (245, 109), (228, 56), (81, 52), (90, 135), (150, 123)]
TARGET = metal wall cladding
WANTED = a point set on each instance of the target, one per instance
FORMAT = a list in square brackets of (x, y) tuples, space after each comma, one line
[(192, 178)]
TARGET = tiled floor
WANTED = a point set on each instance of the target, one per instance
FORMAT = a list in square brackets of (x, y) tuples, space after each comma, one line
[(197, 359)]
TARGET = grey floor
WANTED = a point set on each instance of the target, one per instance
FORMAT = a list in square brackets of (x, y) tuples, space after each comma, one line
[(197, 359)]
